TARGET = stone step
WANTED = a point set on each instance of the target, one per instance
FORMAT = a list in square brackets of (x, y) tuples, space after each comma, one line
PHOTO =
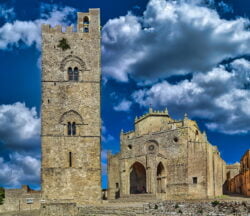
[(143, 198), (105, 210)]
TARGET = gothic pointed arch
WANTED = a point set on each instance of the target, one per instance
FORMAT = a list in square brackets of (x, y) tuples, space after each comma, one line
[(71, 116), (137, 178), (161, 178), (160, 170)]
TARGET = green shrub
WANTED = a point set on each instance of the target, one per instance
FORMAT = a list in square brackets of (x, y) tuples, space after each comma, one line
[(200, 211), (63, 44), (215, 203)]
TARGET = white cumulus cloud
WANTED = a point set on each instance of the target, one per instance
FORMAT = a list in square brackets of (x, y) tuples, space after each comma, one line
[(20, 169), (220, 96), (20, 144), (172, 37), (19, 126), (29, 32)]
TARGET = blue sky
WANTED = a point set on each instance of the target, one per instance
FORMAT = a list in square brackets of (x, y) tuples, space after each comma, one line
[(191, 56)]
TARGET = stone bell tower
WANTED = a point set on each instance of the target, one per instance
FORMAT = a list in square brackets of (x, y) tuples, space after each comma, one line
[(71, 122)]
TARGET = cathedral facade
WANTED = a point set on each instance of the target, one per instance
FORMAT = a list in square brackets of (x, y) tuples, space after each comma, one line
[(165, 158)]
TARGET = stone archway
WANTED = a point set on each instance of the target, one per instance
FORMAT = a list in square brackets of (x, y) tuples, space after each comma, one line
[(161, 177), (137, 179)]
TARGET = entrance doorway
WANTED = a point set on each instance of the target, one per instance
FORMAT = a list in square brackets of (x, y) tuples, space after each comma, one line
[(137, 179)]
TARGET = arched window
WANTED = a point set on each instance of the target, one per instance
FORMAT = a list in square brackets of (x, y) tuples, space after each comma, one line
[(76, 74), (71, 122), (70, 74), (73, 74), (86, 20), (71, 129), (161, 178)]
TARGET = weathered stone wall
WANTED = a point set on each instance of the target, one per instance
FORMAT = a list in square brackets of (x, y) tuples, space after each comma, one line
[(166, 208), (21, 199), (71, 170), (196, 150), (178, 160), (114, 177), (241, 183), (22, 213), (232, 170)]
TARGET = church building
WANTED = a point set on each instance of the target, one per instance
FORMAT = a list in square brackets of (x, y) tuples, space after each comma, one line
[(166, 159)]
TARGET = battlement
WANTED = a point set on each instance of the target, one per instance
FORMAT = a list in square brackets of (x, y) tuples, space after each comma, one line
[(46, 28), (86, 23), (152, 113)]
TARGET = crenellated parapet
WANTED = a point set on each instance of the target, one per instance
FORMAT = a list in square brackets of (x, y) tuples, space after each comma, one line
[(152, 113), (46, 28), (86, 23)]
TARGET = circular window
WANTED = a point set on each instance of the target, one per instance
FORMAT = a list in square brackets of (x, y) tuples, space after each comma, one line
[(176, 139), (151, 147), (129, 146)]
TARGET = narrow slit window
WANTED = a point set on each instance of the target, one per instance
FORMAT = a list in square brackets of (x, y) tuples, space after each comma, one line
[(76, 74), (195, 180), (70, 74), (69, 129), (73, 128), (70, 159)]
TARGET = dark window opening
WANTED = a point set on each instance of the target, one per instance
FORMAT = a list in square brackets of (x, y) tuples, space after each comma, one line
[(117, 185), (176, 139), (54, 83), (73, 75), (71, 129), (76, 74), (70, 74), (86, 20), (196, 132), (48, 101), (86, 29), (129, 146), (195, 180), (70, 159)]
